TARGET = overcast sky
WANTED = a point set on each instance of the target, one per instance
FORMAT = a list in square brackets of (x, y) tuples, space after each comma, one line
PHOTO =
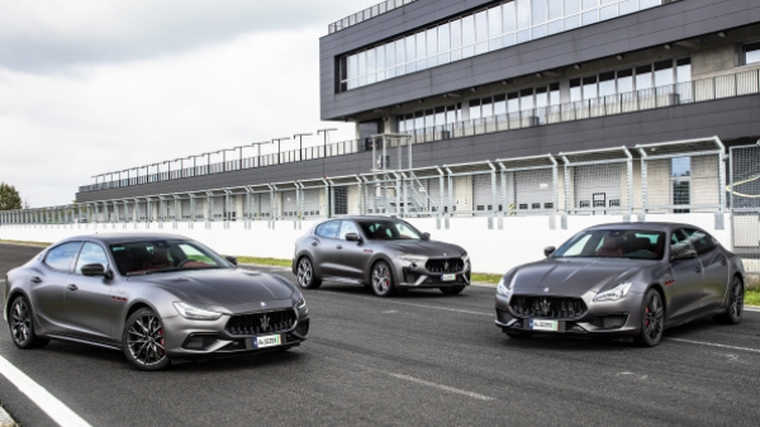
[(95, 86)]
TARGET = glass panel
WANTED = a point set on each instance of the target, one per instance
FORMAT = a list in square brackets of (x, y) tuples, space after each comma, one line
[(443, 44), (555, 9), (481, 32), (371, 65), (475, 109), (644, 77), (575, 90), (645, 4), (500, 105), (588, 4), (494, 21), (625, 81), (607, 84), (572, 7), (608, 12), (590, 17), (456, 33), (390, 59), (411, 55), (572, 22), (468, 36), (523, 14), (542, 98), (628, 6), (513, 103), (432, 47), (380, 64), (487, 108), (526, 99), (554, 95), (590, 90), (538, 12), (555, 27), (421, 52), (683, 70), (508, 13), (400, 56), (752, 53)]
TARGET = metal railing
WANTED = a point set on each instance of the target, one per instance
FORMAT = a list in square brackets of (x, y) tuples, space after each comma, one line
[(724, 86)]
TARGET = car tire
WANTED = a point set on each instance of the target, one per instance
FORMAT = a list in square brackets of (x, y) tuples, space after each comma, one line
[(143, 341), (452, 290), (733, 313), (305, 274), (21, 324), (382, 279), (652, 319)]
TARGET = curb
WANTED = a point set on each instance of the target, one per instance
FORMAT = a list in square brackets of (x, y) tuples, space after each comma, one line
[(5, 419)]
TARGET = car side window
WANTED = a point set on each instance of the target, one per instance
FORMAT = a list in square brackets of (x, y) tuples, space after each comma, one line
[(700, 240), (91, 254), (679, 241), (347, 227), (328, 229), (62, 257)]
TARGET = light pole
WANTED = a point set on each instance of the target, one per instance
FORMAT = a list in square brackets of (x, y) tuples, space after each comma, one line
[(258, 152), (278, 146), (324, 144), (300, 144)]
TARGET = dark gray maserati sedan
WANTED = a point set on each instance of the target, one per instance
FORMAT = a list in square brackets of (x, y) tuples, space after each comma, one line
[(156, 297), (386, 254), (628, 279)]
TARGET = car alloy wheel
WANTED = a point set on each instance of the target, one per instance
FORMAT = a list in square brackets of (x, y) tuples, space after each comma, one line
[(382, 279), (143, 341), (306, 278), (652, 319), (735, 309), (21, 323)]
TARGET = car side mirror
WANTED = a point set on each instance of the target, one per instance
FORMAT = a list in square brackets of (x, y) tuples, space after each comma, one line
[(96, 269), (353, 237), (549, 250), (683, 254), (425, 236), (231, 259)]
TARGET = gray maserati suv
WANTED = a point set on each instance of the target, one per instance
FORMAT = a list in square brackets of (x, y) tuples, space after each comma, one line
[(383, 253)]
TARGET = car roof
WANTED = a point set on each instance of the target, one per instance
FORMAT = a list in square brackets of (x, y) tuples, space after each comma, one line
[(112, 238), (653, 226)]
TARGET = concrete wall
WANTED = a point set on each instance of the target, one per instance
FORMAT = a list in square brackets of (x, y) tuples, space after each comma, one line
[(522, 239)]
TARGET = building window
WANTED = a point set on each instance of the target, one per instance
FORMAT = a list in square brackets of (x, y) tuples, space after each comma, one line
[(680, 178), (751, 53), (502, 25)]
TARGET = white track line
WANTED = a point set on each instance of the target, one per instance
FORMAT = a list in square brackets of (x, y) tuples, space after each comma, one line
[(710, 344), (59, 412), (440, 386)]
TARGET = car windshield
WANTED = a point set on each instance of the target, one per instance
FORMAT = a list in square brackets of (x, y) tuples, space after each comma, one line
[(149, 256), (383, 229), (637, 244)]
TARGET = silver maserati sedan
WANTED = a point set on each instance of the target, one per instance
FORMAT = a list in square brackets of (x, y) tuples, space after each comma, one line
[(630, 280), (384, 253), (156, 297)]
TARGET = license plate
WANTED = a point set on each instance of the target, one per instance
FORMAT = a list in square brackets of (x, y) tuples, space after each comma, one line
[(544, 325), (448, 277), (267, 341)]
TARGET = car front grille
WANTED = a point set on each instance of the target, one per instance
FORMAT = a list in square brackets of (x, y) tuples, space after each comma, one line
[(268, 322), (445, 265), (548, 307)]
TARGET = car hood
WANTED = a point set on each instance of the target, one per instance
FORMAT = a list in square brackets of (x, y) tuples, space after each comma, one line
[(572, 277), (428, 248), (227, 290)]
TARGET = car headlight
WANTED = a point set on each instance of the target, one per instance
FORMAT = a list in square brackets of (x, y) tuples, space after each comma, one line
[(194, 313), (412, 259), (614, 294), (503, 289)]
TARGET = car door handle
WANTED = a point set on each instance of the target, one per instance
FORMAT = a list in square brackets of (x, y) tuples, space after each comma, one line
[(314, 243), (698, 269), (723, 263), (72, 287), (35, 279), (339, 247)]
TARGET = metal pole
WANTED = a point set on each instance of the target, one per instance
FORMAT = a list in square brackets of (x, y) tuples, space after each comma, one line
[(279, 153), (300, 144)]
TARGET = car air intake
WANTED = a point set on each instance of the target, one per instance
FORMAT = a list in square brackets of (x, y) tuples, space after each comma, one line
[(548, 307), (444, 265), (268, 322)]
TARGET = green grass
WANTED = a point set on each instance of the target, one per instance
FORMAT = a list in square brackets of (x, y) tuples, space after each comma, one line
[(264, 261)]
